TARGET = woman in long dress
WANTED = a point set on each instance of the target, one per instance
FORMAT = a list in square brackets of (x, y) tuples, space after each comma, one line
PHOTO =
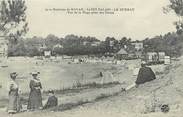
[(35, 98), (14, 102)]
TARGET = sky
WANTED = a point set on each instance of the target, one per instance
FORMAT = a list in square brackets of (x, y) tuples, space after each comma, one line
[(147, 20)]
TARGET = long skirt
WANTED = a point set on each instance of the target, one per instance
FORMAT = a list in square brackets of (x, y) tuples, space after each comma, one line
[(35, 100), (14, 105)]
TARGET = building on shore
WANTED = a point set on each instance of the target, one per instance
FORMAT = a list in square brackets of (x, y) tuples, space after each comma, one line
[(47, 53), (121, 54), (138, 45), (155, 57)]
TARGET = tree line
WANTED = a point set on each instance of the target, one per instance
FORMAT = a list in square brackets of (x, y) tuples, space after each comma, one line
[(170, 43), (69, 45)]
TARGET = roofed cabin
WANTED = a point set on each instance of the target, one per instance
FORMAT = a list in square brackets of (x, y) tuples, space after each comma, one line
[(121, 54)]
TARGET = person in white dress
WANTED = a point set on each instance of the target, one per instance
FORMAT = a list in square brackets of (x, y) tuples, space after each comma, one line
[(14, 101)]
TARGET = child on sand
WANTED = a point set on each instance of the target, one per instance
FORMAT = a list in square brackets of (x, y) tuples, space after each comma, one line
[(52, 100)]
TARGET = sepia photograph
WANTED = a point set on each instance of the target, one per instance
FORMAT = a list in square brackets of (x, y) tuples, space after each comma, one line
[(91, 58)]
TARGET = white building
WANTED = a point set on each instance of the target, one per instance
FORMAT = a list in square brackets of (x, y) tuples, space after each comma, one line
[(47, 53), (58, 46), (138, 45), (85, 43), (96, 43)]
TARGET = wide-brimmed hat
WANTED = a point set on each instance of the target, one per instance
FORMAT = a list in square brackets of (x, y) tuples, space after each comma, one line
[(143, 62), (51, 91), (35, 73), (13, 73)]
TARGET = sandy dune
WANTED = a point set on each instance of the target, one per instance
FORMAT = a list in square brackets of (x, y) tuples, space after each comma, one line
[(144, 101)]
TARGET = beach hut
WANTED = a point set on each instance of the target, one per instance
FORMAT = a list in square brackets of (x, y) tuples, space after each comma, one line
[(161, 56), (47, 53), (167, 60), (122, 54)]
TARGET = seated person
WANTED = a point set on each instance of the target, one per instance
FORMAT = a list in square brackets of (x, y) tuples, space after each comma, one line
[(145, 74), (52, 100)]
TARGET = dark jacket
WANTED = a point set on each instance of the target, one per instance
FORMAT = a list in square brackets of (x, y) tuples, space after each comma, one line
[(145, 75), (52, 102), (35, 96)]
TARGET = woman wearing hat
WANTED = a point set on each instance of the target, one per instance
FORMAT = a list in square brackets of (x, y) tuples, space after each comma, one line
[(35, 98), (14, 104)]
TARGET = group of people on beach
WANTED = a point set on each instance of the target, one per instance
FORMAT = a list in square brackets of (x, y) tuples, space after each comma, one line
[(35, 96)]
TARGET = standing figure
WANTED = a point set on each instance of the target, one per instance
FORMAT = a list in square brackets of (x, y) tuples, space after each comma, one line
[(14, 102), (35, 98)]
